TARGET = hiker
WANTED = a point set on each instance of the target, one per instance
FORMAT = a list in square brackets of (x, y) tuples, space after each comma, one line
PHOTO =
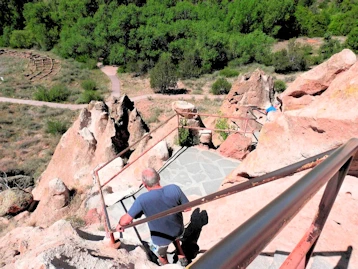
[(163, 230), (269, 109)]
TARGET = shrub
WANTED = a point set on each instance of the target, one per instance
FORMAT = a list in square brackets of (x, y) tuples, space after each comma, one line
[(190, 66), (229, 73), (221, 86), (279, 86), (163, 75), (223, 125), (88, 96), (57, 93), (329, 47), (76, 222), (89, 85), (185, 136), (21, 39), (8, 91), (56, 127)]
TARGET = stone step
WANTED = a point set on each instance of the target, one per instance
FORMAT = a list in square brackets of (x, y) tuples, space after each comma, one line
[(261, 262), (278, 259)]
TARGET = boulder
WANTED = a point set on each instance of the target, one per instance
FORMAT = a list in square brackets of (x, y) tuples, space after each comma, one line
[(59, 193), (249, 90), (310, 85), (183, 108), (13, 201), (235, 146)]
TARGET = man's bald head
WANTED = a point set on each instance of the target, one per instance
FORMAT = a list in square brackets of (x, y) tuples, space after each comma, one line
[(150, 177)]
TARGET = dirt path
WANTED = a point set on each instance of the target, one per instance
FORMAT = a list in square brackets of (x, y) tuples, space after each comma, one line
[(111, 72), (41, 103)]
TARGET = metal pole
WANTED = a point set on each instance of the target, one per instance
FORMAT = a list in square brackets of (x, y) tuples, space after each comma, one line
[(240, 247), (305, 247), (107, 225)]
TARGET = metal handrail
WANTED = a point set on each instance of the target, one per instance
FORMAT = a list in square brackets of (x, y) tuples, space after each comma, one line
[(269, 177), (241, 246), (107, 225)]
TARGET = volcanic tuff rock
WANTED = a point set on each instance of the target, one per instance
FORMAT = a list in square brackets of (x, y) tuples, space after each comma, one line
[(327, 122), (307, 87), (254, 90), (94, 138), (14, 200), (61, 246), (235, 146)]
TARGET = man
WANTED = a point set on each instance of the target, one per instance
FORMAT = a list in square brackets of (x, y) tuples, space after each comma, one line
[(164, 230)]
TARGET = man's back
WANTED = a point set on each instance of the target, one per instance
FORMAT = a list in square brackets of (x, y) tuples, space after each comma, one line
[(166, 229)]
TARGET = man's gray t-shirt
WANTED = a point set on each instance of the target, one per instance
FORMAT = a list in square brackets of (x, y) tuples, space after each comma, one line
[(166, 229)]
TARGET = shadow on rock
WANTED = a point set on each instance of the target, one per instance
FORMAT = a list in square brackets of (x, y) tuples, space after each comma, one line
[(192, 232)]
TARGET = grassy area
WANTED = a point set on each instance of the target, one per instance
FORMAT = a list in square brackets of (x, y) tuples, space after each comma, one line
[(28, 136), (71, 74), (134, 86)]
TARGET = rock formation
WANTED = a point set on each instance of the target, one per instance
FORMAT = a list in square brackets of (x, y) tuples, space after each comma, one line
[(255, 90), (61, 246), (309, 86), (236, 146), (96, 137), (328, 121)]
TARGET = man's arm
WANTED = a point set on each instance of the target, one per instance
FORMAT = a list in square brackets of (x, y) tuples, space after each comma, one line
[(123, 221)]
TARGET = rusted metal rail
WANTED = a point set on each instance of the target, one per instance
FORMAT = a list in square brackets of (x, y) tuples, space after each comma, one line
[(240, 247), (107, 225), (269, 177)]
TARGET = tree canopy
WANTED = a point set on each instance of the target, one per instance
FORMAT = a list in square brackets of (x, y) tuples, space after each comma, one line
[(200, 36)]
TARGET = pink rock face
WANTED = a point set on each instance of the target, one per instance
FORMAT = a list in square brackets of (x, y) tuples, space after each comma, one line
[(327, 122), (316, 81), (92, 217), (235, 146), (228, 213), (93, 139), (253, 91)]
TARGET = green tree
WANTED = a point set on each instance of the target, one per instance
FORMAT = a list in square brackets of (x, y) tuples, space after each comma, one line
[(291, 59), (21, 39), (163, 75), (41, 25), (352, 40)]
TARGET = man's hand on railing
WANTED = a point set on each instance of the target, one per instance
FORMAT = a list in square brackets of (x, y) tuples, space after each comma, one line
[(119, 228)]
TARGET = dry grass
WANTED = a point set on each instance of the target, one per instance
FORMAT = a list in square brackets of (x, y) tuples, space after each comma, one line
[(24, 142), (16, 85), (134, 86)]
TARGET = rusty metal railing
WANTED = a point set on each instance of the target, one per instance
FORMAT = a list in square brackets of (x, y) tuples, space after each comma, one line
[(240, 247), (107, 225)]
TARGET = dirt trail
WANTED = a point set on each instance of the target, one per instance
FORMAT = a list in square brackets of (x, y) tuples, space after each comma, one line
[(111, 72), (41, 103)]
